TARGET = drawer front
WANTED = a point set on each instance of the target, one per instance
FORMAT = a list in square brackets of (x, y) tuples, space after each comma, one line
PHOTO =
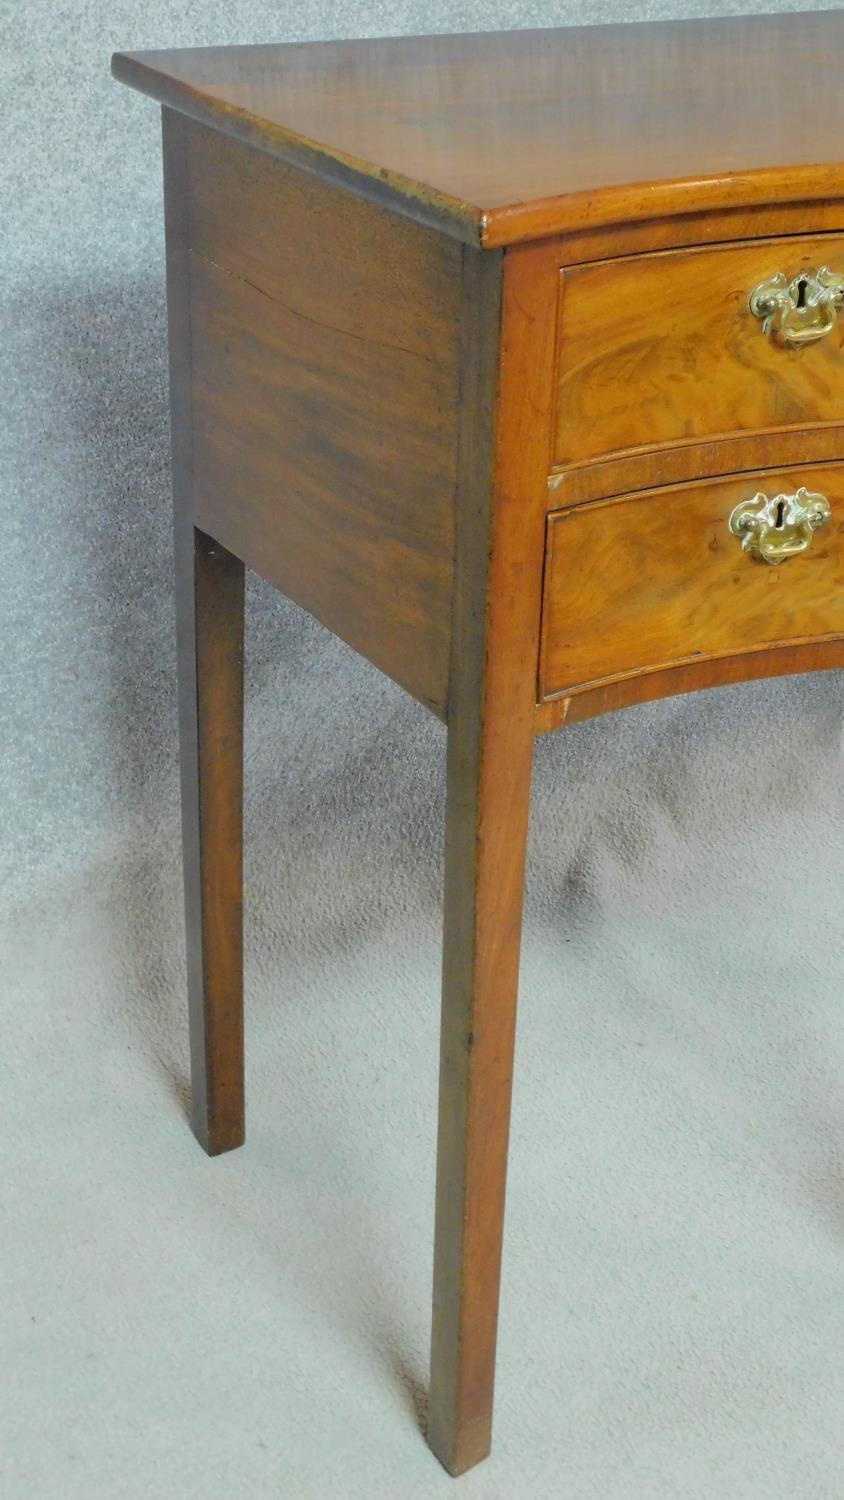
[(658, 578), (661, 351)]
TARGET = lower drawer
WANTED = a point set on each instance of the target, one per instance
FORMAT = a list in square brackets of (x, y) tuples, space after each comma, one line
[(659, 578)]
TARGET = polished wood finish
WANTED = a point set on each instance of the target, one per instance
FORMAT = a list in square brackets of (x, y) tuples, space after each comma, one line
[(588, 702), (676, 328), (762, 221), (461, 360), (657, 579), (325, 397), (209, 611), (648, 469), (502, 138), (495, 632)]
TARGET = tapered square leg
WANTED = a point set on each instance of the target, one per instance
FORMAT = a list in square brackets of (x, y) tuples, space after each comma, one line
[(488, 793), (500, 529), (210, 587)]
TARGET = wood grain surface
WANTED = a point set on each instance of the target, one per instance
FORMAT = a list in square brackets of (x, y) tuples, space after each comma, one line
[(646, 469), (209, 634), (325, 393), (659, 350), (497, 598), (824, 655), (501, 137), (748, 221), (657, 579)]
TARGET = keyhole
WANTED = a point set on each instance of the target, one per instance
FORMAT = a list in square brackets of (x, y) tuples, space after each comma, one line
[(801, 291), (780, 515)]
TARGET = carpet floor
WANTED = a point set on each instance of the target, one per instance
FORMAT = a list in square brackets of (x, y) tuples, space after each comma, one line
[(257, 1325)]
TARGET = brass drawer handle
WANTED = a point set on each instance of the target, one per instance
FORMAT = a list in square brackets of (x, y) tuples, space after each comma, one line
[(799, 311), (780, 526)]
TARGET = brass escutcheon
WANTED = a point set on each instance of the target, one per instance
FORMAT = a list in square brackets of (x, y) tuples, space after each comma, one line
[(799, 311), (777, 527)]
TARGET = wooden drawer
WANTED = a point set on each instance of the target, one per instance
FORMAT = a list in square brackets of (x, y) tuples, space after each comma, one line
[(662, 351), (657, 579)]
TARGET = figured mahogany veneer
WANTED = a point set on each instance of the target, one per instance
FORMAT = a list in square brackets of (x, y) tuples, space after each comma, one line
[(655, 580), (675, 328), (461, 359)]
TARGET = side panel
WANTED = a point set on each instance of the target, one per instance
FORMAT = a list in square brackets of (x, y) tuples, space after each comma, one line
[(325, 348)]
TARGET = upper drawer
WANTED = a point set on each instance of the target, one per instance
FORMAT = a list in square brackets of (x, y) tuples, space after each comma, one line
[(657, 351)]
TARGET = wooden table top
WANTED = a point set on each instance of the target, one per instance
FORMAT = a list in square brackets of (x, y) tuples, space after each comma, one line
[(507, 136)]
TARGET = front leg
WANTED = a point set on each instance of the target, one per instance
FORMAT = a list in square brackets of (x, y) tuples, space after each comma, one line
[(500, 529), (489, 764)]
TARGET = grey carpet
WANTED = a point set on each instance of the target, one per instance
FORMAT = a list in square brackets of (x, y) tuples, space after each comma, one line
[(257, 1325)]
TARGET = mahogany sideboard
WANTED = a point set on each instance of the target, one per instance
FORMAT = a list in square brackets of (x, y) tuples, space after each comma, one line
[(516, 360)]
